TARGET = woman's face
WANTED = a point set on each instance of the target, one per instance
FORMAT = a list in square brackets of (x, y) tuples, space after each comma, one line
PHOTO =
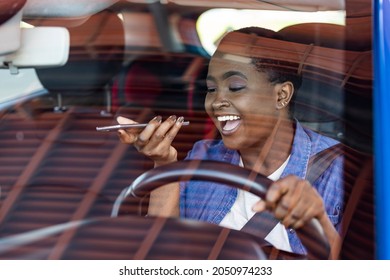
[(241, 102)]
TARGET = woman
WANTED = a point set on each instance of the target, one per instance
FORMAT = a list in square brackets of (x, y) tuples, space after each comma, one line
[(248, 98)]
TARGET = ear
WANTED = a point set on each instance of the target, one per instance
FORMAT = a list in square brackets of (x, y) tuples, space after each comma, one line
[(284, 95)]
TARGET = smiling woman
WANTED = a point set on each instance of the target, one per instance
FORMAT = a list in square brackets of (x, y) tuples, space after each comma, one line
[(264, 139), (248, 96)]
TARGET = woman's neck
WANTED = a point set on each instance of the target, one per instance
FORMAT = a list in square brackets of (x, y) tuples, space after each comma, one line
[(269, 156)]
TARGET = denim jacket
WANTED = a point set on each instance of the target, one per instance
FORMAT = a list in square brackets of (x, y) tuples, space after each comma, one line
[(210, 202)]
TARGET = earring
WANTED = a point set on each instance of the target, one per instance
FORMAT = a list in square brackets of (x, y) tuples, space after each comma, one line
[(282, 103)]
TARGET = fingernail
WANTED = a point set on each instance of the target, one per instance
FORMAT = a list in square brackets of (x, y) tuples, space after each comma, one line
[(273, 192), (157, 119), (259, 206), (118, 118), (271, 196), (173, 118), (180, 120)]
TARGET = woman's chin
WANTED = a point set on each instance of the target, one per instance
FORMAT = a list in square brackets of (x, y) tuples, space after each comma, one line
[(231, 143)]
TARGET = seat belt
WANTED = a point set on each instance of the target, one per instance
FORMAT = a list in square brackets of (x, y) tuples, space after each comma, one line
[(316, 167)]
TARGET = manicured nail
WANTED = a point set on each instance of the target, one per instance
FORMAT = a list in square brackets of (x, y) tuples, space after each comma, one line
[(157, 119), (180, 120), (173, 118), (259, 206)]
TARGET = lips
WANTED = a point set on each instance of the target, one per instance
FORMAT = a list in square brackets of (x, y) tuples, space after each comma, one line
[(229, 123)]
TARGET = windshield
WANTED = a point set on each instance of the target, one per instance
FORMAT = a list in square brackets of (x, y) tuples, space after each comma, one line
[(270, 88)]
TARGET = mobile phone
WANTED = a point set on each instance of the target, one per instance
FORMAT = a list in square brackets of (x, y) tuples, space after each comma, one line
[(123, 126)]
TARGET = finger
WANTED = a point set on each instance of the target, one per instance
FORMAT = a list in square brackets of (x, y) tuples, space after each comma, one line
[(171, 134), (293, 218), (283, 195), (144, 137), (280, 211), (292, 202), (276, 191), (123, 120), (126, 136), (302, 219), (158, 138), (306, 208), (259, 206)]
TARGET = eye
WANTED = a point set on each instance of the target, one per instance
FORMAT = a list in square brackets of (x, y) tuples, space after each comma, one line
[(211, 90), (236, 84), (236, 88)]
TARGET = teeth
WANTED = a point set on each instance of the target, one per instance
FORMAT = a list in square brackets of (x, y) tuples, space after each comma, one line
[(228, 118)]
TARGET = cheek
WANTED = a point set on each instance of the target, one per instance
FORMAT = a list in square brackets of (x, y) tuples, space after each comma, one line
[(207, 104), (260, 105), (251, 106)]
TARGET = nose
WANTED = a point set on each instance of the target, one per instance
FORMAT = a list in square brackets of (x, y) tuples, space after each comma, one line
[(220, 103)]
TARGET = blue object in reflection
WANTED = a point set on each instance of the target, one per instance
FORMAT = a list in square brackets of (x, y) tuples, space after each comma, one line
[(382, 125)]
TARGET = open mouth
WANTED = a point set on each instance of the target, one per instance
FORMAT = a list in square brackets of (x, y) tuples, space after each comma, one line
[(229, 122)]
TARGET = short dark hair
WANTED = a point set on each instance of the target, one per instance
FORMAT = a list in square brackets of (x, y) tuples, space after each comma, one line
[(278, 71)]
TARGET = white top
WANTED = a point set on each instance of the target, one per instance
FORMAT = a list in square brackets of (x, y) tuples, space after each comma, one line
[(241, 212)]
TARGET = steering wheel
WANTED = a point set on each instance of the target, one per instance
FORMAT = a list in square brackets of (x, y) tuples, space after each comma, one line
[(311, 234)]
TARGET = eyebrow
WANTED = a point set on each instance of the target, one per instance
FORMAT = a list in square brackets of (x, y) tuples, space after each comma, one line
[(228, 75)]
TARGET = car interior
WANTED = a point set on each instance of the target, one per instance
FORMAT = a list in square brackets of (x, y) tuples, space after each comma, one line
[(69, 66)]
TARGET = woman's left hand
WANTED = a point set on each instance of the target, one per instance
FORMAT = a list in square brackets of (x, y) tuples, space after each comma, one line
[(293, 201)]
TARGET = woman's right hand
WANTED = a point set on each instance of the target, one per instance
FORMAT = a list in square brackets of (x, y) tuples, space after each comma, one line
[(155, 140)]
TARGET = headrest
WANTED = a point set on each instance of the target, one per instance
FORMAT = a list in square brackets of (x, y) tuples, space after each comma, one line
[(332, 63), (330, 48), (95, 56), (328, 60)]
